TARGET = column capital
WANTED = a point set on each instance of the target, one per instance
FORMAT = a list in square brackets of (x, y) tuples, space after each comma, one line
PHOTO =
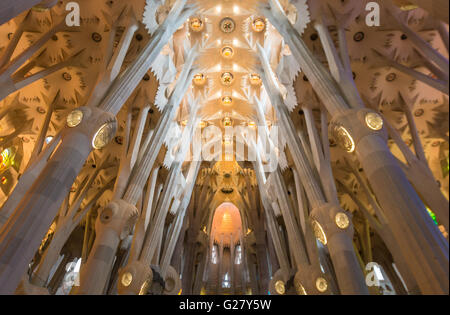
[(119, 216), (96, 124), (331, 219), (351, 126), (134, 278), (311, 281), (172, 282)]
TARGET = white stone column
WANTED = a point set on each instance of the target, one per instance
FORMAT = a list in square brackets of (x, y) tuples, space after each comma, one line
[(58, 176), (190, 183), (114, 223), (417, 233), (23, 233), (354, 282), (26, 180)]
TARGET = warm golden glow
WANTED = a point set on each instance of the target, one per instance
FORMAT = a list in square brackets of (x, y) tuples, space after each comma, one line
[(103, 136), (199, 79), (255, 79), (227, 25), (227, 52), (342, 220), (127, 278), (319, 232), (259, 25), (227, 101), (280, 287), (252, 125), (227, 78), (6, 159), (196, 24), (300, 289), (374, 121), (227, 122), (345, 139), (321, 285)]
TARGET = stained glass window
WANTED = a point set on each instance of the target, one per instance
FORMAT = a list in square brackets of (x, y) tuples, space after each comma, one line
[(6, 159)]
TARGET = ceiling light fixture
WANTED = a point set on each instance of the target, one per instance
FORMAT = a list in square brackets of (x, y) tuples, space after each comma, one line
[(227, 52), (259, 25), (227, 101), (227, 78)]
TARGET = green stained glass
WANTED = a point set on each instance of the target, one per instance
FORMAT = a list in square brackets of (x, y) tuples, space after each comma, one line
[(433, 216)]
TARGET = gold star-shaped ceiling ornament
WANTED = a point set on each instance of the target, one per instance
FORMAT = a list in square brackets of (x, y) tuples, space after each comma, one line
[(227, 25)]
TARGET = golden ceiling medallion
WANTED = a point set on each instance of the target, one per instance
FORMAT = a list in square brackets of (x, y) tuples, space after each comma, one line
[(227, 122), (196, 24), (227, 101), (255, 79), (227, 25), (259, 25), (227, 52), (227, 78), (199, 79)]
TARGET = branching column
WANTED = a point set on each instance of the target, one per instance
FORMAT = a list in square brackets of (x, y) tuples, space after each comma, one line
[(20, 240), (22, 234), (419, 238), (351, 279)]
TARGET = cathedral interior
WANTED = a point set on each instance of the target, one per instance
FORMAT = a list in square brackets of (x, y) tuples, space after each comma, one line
[(224, 147)]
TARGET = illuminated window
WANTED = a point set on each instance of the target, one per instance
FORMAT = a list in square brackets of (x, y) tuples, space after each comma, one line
[(238, 259), (6, 159), (214, 255), (226, 283)]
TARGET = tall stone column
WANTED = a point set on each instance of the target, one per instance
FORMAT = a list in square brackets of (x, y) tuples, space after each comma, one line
[(198, 282), (220, 269), (408, 217), (58, 176), (283, 260), (175, 235), (114, 223), (26, 181), (355, 283), (415, 232), (232, 265), (22, 234)]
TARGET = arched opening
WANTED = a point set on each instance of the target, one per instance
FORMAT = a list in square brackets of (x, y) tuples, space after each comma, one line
[(226, 268)]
